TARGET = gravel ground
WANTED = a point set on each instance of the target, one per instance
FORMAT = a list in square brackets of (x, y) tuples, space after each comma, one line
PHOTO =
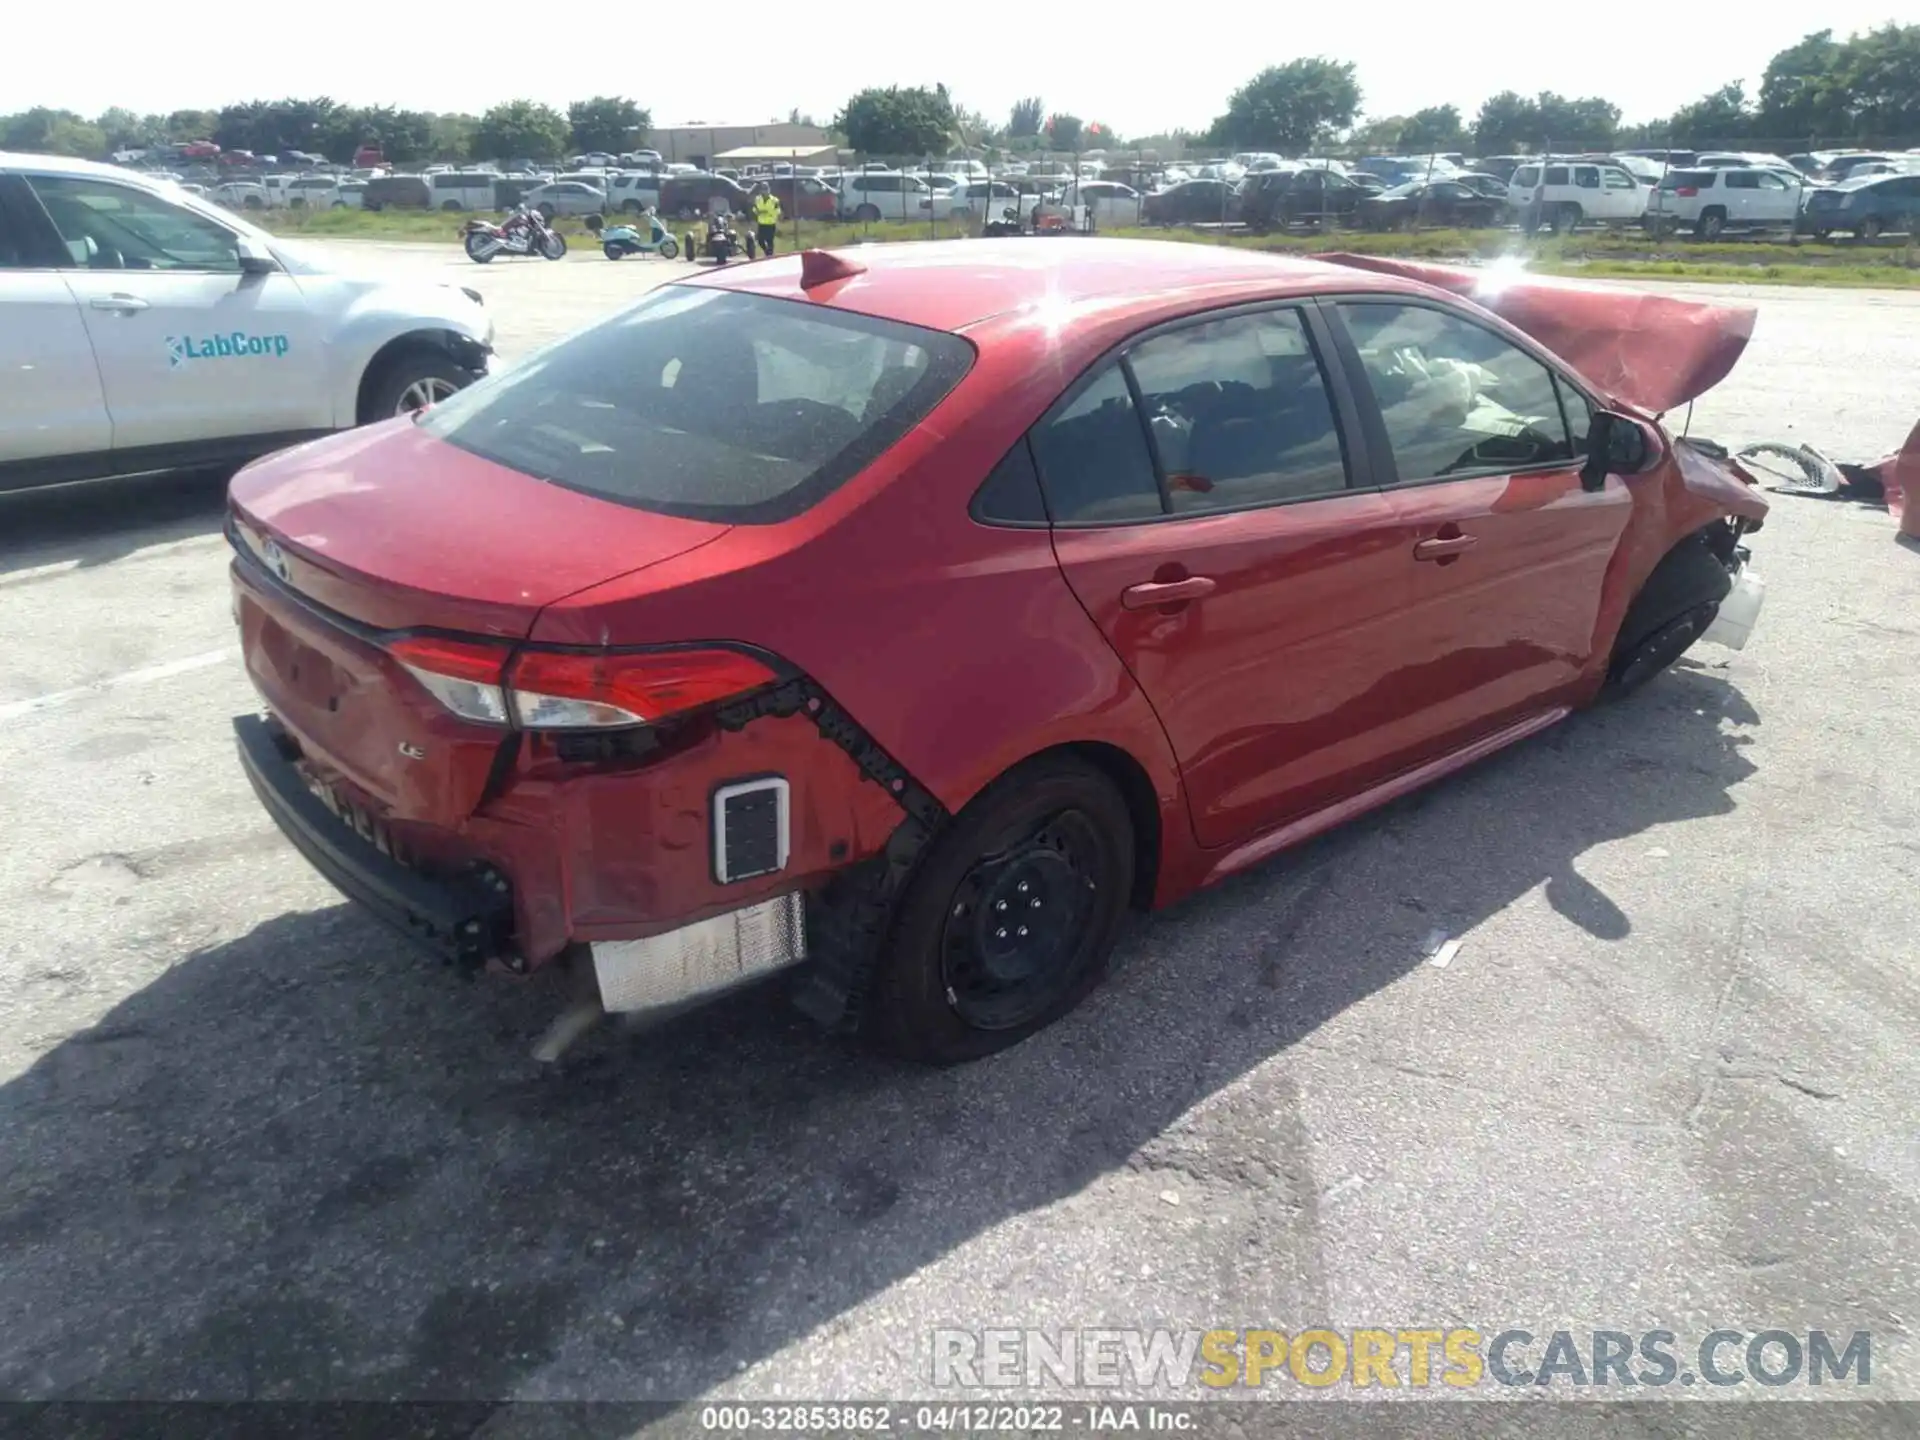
[(253, 1148)]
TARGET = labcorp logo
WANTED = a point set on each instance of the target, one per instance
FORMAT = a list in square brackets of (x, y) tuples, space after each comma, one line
[(182, 348)]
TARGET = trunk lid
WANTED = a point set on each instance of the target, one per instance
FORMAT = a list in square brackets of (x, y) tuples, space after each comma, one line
[(387, 529), (395, 529)]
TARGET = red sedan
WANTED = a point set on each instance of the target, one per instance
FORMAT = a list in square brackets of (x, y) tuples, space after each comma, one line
[(905, 616)]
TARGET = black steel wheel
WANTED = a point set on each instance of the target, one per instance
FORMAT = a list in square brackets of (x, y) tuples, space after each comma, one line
[(1011, 916), (1016, 925)]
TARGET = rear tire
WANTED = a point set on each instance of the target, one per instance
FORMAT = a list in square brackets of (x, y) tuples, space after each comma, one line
[(1710, 224), (1565, 219), (1870, 228), (976, 960), (867, 214), (614, 252), (669, 249), (1672, 610)]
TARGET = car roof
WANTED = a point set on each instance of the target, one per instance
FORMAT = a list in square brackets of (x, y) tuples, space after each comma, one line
[(954, 284)]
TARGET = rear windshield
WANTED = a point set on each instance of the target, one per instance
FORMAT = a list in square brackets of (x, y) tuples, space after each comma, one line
[(709, 404)]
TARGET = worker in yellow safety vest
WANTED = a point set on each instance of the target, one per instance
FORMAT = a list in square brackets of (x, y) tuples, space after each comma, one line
[(766, 216)]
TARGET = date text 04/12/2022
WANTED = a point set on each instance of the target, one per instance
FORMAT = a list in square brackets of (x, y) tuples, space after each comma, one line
[(1098, 1417)]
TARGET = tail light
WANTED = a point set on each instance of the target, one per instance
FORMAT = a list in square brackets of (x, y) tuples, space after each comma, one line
[(487, 682), (1686, 191)]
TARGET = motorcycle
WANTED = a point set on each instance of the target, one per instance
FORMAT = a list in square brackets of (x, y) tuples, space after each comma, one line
[(620, 241), (523, 232), (723, 242)]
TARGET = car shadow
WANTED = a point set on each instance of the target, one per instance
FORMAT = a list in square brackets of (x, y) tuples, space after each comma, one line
[(101, 521), (301, 1165)]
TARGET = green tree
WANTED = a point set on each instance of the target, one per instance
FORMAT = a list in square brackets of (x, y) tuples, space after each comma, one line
[(1290, 107), (1437, 128), (1879, 73), (42, 131), (1064, 131), (611, 123), (1026, 117), (521, 129), (1718, 118), (453, 137), (1798, 96), (123, 129), (185, 125), (1507, 122), (897, 122), (1588, 123), (1377, 133)]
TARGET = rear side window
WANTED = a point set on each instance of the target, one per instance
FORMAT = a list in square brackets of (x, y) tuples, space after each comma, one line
[(1690, 180), (1743, 180), (1455, 399), (1239, 413), (709, 404), (1556, 175), (1093, 458)]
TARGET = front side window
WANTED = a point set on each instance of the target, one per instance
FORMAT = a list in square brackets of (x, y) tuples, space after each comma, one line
[(709, 404), (115, 227), (1455, 399), (1239, 412), (1586, 177)]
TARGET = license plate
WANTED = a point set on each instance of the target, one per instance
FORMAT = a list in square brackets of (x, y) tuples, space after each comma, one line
[(356, 818)]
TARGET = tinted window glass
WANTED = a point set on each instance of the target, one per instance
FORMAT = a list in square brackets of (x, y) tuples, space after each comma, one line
[(115, 227), (1742, 180), (1455, 399), (1579, 415), (708, 403), (1619, 180), (1689, 180), (1586, 177), (1093, 457), (1010, 495), (1239, 412), (1556, 175)]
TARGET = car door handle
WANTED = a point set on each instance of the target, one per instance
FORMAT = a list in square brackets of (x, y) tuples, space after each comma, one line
[(1443, 546), (1147, 594), (119, 304)]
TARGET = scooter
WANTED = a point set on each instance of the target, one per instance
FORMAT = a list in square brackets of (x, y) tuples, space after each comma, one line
[(620, 241)]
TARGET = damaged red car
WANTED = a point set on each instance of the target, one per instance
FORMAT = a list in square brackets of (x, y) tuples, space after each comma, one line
[(903, 617)]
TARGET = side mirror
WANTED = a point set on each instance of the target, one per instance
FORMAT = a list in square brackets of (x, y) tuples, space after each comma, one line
[(1616, 445), (255, 259)]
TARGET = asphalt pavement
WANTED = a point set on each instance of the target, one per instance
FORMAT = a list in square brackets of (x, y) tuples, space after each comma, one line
[(252, 1147)]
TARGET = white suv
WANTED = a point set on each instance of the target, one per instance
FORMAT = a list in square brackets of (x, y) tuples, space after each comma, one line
[(1715, 199), (890, 195), (144, 329), (1572, 191)]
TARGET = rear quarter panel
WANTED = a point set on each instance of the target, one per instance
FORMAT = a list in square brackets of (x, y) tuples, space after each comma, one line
[(958, 646)]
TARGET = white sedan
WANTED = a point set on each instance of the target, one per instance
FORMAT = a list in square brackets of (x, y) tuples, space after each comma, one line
[(144, 329)]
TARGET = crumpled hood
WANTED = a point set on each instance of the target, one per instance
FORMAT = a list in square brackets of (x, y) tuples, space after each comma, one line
[(1654, 352)]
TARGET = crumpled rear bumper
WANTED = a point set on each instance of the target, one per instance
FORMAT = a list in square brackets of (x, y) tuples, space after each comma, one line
[(464, 919)]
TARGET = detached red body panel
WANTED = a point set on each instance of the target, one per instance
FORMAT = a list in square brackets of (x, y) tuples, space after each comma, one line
[(850, 477)]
